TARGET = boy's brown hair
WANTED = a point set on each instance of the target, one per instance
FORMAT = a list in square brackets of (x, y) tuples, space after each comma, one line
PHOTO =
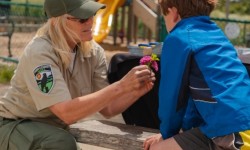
[(189, 8)]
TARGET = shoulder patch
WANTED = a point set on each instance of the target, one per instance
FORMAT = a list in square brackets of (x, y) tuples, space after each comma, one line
[(44, 78)]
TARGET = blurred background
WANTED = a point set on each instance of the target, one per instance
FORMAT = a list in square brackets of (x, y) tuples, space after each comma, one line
[(123, 23)]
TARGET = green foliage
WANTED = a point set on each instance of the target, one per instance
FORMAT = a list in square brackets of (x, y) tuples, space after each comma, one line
[(239, 10), (241, 7), (32, 8), (6, 73)]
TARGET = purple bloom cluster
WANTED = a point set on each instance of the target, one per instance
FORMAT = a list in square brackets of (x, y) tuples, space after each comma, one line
[(150, 61)]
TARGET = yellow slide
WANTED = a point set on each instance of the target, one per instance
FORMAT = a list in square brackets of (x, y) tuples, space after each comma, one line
[(103, 19)]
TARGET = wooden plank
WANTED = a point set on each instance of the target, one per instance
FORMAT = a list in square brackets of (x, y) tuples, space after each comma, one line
[(111, 134), (28, 19), (152, 5), (27, 27), (35, 26), (148, 17)]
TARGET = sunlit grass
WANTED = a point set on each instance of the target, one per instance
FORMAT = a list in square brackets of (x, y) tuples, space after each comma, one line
[(220, 14), (29, 1), (6, 73)]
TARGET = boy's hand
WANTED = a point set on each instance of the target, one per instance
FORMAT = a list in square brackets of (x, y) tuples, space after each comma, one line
[(152, 140)]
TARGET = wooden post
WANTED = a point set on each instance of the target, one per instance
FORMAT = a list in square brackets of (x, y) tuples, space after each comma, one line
[(115, 26), (129, 25), (135, 29)]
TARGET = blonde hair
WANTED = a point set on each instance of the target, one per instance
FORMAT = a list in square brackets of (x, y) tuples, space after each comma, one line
[(189, 8), (59, 33)]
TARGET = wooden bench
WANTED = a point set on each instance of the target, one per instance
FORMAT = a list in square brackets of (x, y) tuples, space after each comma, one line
[(111, 135), (27, 23), (7, 27)]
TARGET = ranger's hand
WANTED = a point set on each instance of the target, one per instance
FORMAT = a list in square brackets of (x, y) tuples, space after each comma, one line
[(139, 80)]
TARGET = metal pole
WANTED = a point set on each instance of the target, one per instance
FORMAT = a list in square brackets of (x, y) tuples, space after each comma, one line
[(26, 8), (227, 8)]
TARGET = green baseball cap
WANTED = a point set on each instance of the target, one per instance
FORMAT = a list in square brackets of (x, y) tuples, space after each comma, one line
[(81, 9)]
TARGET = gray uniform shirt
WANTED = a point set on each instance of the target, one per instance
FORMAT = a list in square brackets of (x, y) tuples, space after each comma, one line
[(41, 80)]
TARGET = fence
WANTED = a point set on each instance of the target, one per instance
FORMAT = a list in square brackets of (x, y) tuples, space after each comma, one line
[(27, 18), (238, 31), (21, 9)]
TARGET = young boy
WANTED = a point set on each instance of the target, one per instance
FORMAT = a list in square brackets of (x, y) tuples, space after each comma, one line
[(204, 86)]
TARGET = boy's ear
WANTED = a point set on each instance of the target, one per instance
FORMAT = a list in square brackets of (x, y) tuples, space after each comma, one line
[(175, 14)]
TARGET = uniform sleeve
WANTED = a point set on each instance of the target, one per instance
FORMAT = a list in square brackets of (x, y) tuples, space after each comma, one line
[(100, 71), (42, 75), (173, 90)]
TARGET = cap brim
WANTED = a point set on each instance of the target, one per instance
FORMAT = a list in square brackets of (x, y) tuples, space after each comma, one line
[(87, 10)]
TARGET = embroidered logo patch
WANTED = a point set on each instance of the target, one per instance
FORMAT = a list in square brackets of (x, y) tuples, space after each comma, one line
[(44, 78)]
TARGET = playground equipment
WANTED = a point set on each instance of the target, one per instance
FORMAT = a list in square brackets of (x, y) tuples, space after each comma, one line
[(148, 12), (103, 19)]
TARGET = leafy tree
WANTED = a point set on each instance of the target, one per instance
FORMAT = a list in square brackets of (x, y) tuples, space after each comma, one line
[(236, 6)]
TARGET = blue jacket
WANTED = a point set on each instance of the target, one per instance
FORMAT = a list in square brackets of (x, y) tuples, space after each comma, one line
[(199, 64)]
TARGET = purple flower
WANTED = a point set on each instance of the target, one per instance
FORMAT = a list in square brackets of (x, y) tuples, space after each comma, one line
[(145, 60), (155, 65), (150, 61)]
